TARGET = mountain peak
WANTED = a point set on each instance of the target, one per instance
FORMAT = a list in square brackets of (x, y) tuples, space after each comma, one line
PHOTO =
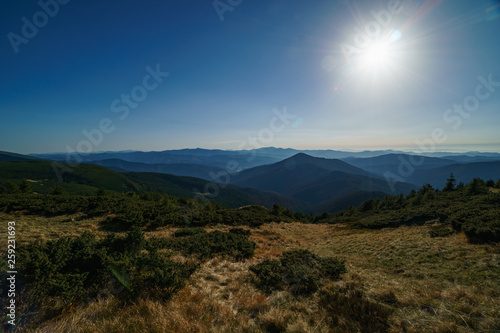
[(304, 156)]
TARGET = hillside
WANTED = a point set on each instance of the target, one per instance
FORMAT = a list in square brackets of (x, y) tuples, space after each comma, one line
[(402, 264), (79, 179), (178, 169), (316, 181), (10, 157), (214, 158), (87, 179), (392, 162), (282, 176), (299, 183), (189, 187), (462, 172), (338, 184)]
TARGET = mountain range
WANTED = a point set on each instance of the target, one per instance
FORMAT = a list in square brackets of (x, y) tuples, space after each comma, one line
[(308, 181)]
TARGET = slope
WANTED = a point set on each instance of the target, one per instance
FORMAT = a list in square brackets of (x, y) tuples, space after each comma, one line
[(392, 162), (86, 179), (462, 172), (282, 176), (339, 184), (178, 169), (79, 179), (10, 157)]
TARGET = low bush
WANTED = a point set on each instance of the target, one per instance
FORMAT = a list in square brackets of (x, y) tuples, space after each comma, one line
[(479, 224), (482, 229), (80, 268), (299, 271), (206, 245)]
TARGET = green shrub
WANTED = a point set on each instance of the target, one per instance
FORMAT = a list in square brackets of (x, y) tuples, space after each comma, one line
[(155, 276), (270, 275), (485, 228), (75, 269), (301, 279), (300, 271), (476, 186), (206, 245), (332, 268)]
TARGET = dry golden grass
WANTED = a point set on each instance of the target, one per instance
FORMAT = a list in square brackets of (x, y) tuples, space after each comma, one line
[(432, 284), (30, 228)]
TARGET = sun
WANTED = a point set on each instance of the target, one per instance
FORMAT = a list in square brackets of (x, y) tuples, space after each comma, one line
[(376, 56)]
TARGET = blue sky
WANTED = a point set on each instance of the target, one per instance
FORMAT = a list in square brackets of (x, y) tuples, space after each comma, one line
[(227, 79)]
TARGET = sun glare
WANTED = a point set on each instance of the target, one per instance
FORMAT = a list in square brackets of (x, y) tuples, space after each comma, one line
[(377, 55)]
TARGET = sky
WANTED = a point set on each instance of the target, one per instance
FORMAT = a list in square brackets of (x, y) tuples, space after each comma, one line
[(150, 75)]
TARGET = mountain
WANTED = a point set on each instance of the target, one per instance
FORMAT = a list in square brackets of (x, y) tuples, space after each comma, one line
[(214, 158), (476, 154), (78, 179), (177, 169), (317, 181), (393, 162), (337, 184), (282, 176), (86, 179), (228, 195), (11, 157), (462, 172), (244, 159), (473, 159)]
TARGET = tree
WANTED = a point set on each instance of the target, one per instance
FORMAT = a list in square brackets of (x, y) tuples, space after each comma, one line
[(11, 187), (411, 195), (490, 183), (450, 183), (426, 188), (476, 186), (58, 190), (25, 187), (277, 210), (368, 205), (497, 185)]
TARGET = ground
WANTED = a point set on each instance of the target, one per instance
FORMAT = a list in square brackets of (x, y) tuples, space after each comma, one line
[(440, 284)]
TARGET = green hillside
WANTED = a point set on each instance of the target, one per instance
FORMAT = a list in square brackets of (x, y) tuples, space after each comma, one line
[(87, 179), (8, 157), (77, 179)]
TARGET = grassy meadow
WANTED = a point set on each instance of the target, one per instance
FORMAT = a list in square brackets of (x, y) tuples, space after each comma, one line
[(418, 283)]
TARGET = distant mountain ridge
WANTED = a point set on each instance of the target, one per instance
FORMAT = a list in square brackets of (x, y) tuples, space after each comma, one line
[(177, 169), (315, 180), (299, 182), (11, 157), (391, 162), (462, 172), (86, 179), (245, 159)]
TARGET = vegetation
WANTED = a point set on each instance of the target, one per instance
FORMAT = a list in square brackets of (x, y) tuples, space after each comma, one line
[(80, 270), (349, 310), (129, 262), (299, 271), (47, 177), (148, 210), (473, 208), (206, 245)]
